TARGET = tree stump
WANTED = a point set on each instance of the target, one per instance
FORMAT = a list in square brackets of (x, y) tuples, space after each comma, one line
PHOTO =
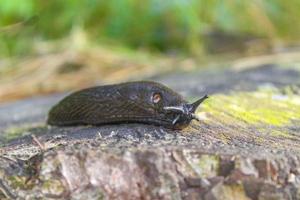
[(245, 147)]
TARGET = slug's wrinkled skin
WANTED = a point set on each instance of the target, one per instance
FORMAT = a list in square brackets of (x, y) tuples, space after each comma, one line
[(141, 102)]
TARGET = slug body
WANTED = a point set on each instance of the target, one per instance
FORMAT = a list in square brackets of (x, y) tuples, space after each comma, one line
[(141, 102)]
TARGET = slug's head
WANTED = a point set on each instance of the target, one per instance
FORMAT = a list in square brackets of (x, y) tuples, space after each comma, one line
[(166, 106), (184, 113)]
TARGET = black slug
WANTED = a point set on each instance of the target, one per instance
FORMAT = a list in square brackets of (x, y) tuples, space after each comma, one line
[(141, 102)]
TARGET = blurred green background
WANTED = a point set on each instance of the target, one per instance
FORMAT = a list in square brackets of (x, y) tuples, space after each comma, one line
[(190, 27), (57, 46)]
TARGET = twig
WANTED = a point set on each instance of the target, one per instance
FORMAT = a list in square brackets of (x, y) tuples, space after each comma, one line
[(41, 146)]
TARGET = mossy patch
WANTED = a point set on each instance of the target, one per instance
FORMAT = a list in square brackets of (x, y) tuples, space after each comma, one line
[(19, 131), (254, 108), (264, 117), (19, 182), (15, 132)]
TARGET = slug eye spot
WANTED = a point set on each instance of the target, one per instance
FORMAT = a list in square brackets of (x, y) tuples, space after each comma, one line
[(156, 98)]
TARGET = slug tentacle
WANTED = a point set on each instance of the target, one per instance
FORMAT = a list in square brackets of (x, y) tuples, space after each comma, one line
[(138, 102), (195, 105)]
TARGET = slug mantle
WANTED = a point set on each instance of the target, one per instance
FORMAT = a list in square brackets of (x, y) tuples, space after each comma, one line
[(132, 102)]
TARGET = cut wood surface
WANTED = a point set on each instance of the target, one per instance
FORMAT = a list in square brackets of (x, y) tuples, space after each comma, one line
[(246, 146)]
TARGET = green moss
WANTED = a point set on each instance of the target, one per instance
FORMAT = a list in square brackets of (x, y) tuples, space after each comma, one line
[(19, 182), (256, 108), (16, 132)]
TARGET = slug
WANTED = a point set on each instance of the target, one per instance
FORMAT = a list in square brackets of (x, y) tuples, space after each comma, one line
[(136, 102)]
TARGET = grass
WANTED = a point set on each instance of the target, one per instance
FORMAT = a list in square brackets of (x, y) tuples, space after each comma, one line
[(165, 26)]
